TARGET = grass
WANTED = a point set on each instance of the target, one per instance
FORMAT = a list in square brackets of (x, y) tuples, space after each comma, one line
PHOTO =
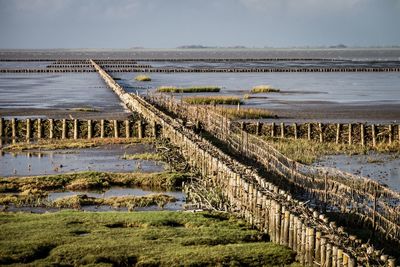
[(308, 152), (213, 100), (264, 89), (143, 156), (142, 78), (90, 180), (162, 238), (245, 113), (193, 89), (85, 109), (70, 143)]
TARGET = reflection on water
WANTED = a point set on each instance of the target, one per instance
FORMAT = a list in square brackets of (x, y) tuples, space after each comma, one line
[(106, 158), (382, 168)]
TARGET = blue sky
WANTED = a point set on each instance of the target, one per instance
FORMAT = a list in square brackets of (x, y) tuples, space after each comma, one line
[(171, 23)]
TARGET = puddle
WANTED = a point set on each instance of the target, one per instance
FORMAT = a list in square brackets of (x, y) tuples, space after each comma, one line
[(105, 158), (382, 168), (112, 192)]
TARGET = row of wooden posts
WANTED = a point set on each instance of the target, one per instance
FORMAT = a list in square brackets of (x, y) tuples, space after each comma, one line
[(287, 221), (350, 133), (13, 130)]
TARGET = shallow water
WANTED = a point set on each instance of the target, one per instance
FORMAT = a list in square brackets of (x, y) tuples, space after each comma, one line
[(382, 168), (344, 88), (106, 158), (56, 91)]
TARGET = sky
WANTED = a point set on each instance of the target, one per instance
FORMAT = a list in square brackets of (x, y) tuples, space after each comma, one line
[(41, 24)]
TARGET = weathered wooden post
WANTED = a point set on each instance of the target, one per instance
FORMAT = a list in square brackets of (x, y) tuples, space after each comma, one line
[(51, 128), (295, 130), (258, 128), (28, 130), (309, 131), (321, 133), (39, 128), (317, 254), (291, 230), (64, 129), (323, 252), (328, 257), (303, 244), (373, 135), (140, 129), (76, 128), (350, 133), (390, 133), (13, 130), (282, 130), (278, 208), (339, 257), (338, 128), (154, 128), (334, 255), (116, 130), (89, 129), (102, 126), (273, 129), (362, 132), (286, 228), (1, 131), (127, 129)]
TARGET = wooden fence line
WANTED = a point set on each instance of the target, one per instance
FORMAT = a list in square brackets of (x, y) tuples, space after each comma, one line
[(363, 134), (27, 130), (260, 202)]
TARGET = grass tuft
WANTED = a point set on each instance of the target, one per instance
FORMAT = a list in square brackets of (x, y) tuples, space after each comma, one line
[(143, 156), (245, 113), (142, 78), (193, 89), (264, 89), (213, 100)]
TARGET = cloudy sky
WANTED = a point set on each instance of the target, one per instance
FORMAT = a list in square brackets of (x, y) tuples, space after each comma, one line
[(171, 23)]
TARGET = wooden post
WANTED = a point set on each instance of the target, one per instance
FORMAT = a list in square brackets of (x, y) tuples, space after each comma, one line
[(338, 128), (273, 129), (64, 129), (1, 131), (127, 129), (39, 128), (75, 129), (140, 129), (362, 129), (328, 258), (278, 208), (309, 131), (102, 126), (398, 133), (390, 134), (89, 129), (339, 257), (321, 133), (311, 246), (299, 228), (286, 228), (303, 244), (373, 135), (291, 230), (28, 130), (317, 255), (295, 130), (13, 130), (323, 252), (282, 130), (154, 129), (51, 128), (116, 130), (334, 256), (350, 133)]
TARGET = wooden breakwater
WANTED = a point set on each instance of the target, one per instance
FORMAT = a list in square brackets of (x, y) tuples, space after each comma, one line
[(27, 130), (274, 211), (363, 134), (374, 205)]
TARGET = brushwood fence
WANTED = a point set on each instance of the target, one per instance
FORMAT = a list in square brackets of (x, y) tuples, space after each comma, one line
[(270, 209)]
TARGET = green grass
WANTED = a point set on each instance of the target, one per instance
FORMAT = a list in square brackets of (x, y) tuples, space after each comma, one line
[(134, 239), (71, 143), (212, 100), (245, 113), (193, 89), (91, 180), (142, 78), (309, 151), (143, 156), (264, 89)]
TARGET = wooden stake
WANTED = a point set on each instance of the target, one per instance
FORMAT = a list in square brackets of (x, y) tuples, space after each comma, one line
[(295, 130), (350, 133), (362, 134), (64, 129), (273, 129), (338, 128), (390, 134), (127, 129), (323, 252), (13, 130), (89, 129), (154, 129), (282, 130), (116, 130), (1, 131), (309, 131), (102, 126), (39, 128), (140, 129), (51, 128), (321, 133), (373, 135), (75, 129), (28, 130)]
